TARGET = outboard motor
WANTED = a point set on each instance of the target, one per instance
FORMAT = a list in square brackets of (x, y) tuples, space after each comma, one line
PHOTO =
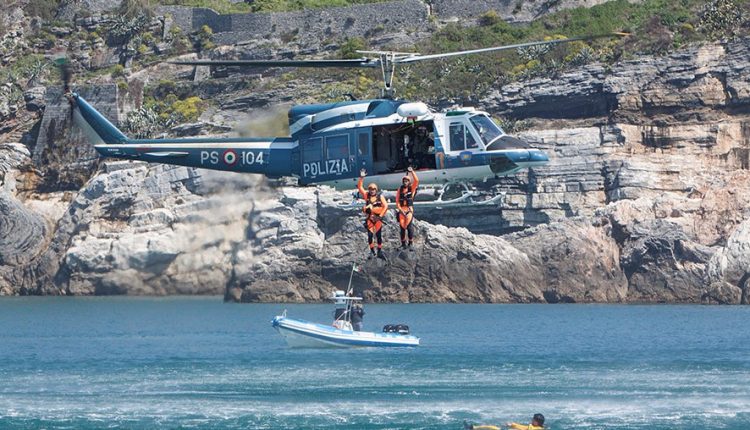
[(396, 328)]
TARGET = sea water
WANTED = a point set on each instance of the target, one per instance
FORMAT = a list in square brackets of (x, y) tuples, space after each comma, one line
[(143, 363)]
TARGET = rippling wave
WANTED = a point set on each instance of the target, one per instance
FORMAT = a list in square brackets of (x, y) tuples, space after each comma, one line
[(198, 363)]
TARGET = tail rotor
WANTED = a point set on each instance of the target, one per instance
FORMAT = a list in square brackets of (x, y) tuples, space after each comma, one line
[(66, 75)]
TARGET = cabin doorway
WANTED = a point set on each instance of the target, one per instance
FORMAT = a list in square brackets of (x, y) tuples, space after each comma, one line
[(398, 146)]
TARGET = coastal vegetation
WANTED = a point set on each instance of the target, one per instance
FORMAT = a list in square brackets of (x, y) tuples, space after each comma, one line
[(653, 27), (225, 6), (165, 104), (650, 27)]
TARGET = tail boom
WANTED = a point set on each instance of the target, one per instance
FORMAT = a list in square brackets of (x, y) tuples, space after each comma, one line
[(270, 156)]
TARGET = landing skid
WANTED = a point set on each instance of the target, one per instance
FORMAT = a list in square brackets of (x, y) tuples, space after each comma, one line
[(465, 195), (469, 196)]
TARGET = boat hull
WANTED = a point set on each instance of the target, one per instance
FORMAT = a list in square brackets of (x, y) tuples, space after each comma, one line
[(305, 334)]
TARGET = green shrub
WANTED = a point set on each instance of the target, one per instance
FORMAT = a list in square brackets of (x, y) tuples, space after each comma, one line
[(142, 123), (124, 28), (350, 47), (118, 71), (187, 110), (202, 39), (489, 18)]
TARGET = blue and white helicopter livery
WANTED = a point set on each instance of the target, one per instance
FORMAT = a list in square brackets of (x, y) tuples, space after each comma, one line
[(330, 143)]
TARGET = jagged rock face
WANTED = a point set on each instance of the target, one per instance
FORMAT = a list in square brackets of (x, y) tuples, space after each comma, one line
[(580, 262), (68, 9), (22, 232), (663, 265), (623, 254), (698, 83), (310, 27), (147, 232), (670, 129), (445, 264), (729, 268), (519, 11), (304, 246)]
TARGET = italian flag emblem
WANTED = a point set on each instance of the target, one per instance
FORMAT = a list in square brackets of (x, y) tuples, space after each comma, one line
[(230, 157)]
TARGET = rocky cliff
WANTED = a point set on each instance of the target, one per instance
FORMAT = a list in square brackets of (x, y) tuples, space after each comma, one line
[(646, 199)]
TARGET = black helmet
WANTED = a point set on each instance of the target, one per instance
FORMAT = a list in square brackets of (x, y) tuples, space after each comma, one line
[(539, 418)]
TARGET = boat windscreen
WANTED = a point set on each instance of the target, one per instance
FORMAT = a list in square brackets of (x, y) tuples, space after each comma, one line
[(487, 128)]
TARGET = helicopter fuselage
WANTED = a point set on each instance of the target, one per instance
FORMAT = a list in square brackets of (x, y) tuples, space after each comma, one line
[(331, 143)]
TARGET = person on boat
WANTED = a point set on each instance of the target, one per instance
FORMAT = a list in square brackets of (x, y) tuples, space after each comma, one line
[(339, 314), (405, 204), (537, 423), (358, 313), (375, 209)]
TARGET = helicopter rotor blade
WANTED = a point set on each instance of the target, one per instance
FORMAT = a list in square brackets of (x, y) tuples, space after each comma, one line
[(349, 63), (386, 60), (415, 58)]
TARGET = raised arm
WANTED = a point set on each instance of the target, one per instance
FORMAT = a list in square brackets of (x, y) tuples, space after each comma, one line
[(360, 185), (414, 180)]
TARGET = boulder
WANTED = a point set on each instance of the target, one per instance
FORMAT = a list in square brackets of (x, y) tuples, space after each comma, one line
[(730, 265)]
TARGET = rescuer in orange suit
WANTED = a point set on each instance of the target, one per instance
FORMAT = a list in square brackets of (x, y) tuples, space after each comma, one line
[(375, 209), (405, 204)]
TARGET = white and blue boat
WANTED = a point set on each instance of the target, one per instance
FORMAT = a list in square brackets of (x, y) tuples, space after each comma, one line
[(304, 334)]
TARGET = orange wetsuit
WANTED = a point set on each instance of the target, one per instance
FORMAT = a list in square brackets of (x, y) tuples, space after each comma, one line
[(375, 208), (405, 203)]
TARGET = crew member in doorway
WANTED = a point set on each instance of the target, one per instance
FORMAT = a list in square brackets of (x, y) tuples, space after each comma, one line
[(358, 313), (405, 204), (375, 209), (420, 148)]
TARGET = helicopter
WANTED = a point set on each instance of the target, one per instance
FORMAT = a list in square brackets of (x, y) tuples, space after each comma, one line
[(330, 144)]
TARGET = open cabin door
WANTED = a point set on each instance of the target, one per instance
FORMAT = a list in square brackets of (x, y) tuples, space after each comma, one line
[(398, 146)]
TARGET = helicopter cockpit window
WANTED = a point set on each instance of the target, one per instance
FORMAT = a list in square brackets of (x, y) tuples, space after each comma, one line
[(461, 138), (457, 137), (488, 130)]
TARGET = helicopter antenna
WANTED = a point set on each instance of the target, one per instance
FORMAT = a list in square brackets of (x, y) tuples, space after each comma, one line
[(386, 60)]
